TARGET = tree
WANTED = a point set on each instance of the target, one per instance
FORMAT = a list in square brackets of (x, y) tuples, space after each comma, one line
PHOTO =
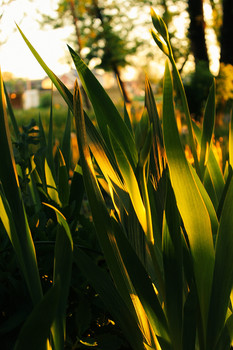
[(227, 32), (103, 29), (197, 31), (107, 45), (222, 23)]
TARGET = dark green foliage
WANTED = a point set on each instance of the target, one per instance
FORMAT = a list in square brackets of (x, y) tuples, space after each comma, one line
[(45, 100), (88, 321), (133, 248), (197, 86)]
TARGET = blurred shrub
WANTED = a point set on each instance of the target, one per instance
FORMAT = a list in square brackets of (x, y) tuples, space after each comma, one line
[(45, 100), (224, 87)]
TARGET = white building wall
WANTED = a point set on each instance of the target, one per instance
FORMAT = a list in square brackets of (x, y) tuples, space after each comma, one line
[(31, 99)]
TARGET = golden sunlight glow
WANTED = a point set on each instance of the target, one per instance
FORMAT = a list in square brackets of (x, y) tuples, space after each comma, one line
[(52, 44), (213, 48)]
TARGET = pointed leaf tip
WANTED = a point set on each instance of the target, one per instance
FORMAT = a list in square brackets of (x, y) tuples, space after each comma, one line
[(163, 47), (159, 25)]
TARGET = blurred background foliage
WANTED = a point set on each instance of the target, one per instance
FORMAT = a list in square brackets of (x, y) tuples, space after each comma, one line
[(114, 34)]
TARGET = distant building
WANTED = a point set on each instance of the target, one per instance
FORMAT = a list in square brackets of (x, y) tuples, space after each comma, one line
[(107, 80), (16, 99), (31, 99), (28, 96)]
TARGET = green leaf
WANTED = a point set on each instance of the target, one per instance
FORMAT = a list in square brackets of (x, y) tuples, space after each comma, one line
[(208, 203), (12, 200), (225, 191), (213, 170), (34, 193), (36, 330), (190, 320), (231, 140), (103, 157), (99, 210), (153, 113), (130, 181), (144, 291), (208, 127), (127, 119), (163, 47), (103, 285), (76, 193), (49, 149), (63, 257), (93, 136), (12, 115), (63, 181), (41, 154), (167, 49), (173, 269), (104, 225), (159, 25), (189, 202), (106, 113), (51, 185), (229, 326), (223, 272), (141, 131), (65, 146)]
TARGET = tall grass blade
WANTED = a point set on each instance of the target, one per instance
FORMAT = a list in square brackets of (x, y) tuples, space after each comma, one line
[(65, 93), (76, 195), (127, 119), (106, 113), (63, 180), (63, 258), (225, 191), (11, 113), (99, 211), (49, 150), (190, 317), (130, 181), (208, 127), (231, 140), (229, 327), (145, 293), (41, 154), (51, 185), (104, 158), (173, 269), (223, 272), (189, 202), (207, 201), (106, 227), (68, 98), (20, 237), (158, 162), (65, 146), (213, 170), (160, 26), (103, 284), (36, 330)]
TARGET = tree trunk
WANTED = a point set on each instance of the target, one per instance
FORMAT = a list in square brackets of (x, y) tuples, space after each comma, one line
[(115, 68), (122, 85), (227, 33), (197, 31), (75, 22), (78, 36)]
